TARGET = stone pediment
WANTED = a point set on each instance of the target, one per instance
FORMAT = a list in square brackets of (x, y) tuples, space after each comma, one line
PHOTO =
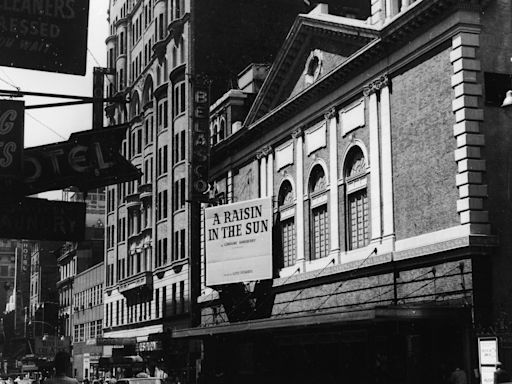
[(316, 44)]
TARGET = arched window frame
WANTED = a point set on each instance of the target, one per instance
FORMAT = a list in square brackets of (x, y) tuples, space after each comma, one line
[(319, 211), (287, 228), (356, 197)]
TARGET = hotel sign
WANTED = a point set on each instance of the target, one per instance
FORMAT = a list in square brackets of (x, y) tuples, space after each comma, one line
[(239, 242), (48, 35)]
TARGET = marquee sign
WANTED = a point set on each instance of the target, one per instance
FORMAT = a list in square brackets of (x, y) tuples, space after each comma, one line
[(239, 242), (48, 35)]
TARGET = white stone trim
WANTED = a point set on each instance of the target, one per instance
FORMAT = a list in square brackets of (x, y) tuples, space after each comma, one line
[(352, 117), (432, 238), (263, 177), (284, 155), (299, 196), (316, 138), (388, 220), (334, 238), (270, 174), (374, 162)]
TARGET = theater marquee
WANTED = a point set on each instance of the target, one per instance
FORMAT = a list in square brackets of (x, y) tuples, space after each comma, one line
[(239, 242)]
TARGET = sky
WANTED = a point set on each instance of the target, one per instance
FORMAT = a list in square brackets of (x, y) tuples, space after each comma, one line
[(51, 125)]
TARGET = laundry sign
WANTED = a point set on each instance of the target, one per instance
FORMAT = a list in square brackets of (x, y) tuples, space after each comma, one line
[(239, 242)]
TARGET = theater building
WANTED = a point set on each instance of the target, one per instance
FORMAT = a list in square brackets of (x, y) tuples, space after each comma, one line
[(383, 148)]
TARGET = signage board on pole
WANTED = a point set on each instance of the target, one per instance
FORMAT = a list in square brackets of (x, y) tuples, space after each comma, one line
[(89, 159), (40, 219), (44, 35), (239, 242)]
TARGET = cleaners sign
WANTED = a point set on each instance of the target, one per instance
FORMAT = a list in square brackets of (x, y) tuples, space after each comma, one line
[(46, 35), (239, 242)]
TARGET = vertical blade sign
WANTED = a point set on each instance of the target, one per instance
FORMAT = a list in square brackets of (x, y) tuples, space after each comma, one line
[(11, 138), (200, 139)]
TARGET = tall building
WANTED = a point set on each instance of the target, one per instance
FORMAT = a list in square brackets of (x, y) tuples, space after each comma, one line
[(80, 285), (381, 147), (169, 58)]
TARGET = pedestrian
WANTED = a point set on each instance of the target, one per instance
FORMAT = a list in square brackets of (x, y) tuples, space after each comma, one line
[(500, 375), (61, 362), (458, 376)]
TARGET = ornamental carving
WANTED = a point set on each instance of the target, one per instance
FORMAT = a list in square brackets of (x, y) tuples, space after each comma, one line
[(330, 114), (376, 85), (298, 132)]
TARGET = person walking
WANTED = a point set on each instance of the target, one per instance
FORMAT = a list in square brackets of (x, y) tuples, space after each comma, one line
[(458, 376), (500, 374), (61, 362)]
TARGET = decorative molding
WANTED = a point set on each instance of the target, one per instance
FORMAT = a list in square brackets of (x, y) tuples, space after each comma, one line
[(284, 156), (331, 113), (376, 85), (298, 132), (316, 138), (352, 117)]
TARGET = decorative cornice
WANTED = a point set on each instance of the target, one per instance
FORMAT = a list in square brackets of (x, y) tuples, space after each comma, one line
[(376, 85), (176, 27), (330, 114)]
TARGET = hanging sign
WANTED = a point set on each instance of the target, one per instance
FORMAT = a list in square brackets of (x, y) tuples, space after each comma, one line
[(49, 35), (239, 242), (11, 137)]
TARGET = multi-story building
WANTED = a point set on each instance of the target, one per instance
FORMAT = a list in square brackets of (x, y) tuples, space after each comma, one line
[(80, 285), (383, 148), (157, 49), (88, 322), (76, 257)]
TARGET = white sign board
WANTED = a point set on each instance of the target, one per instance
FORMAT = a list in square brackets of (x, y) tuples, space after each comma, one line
[(488, 357), (239, 242)]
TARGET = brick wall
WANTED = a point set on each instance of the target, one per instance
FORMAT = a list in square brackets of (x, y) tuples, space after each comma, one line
[(425, 193)]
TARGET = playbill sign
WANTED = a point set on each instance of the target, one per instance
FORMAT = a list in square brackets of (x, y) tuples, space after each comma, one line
[(239, 242)]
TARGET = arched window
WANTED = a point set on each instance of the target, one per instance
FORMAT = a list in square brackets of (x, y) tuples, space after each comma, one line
[(319, 218), (147, 93), (287, 223), (356, 198), (134, 105), (222, 129), (214, 133)]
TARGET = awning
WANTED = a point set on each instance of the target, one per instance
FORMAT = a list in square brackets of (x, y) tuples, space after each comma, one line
[(120, 360), (379, 314)]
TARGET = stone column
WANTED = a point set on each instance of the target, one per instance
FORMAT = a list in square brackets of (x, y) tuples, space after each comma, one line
[(270, 171), (388, 226), (375, 214), (330, 117), (299, 216), (263, 173)]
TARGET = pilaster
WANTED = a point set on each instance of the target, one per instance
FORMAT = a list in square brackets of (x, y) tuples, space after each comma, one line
[(330, 117), (298, 135)]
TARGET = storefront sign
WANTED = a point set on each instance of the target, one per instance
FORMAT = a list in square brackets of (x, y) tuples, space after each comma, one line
[(40, 219), (48, 35), (148, 346), (239, 242), (488, 357), (11, 137)]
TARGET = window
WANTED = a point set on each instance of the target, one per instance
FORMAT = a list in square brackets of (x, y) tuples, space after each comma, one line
[(356, 198), (319, 223), (287, 223), (179, 194), (179, 99)]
